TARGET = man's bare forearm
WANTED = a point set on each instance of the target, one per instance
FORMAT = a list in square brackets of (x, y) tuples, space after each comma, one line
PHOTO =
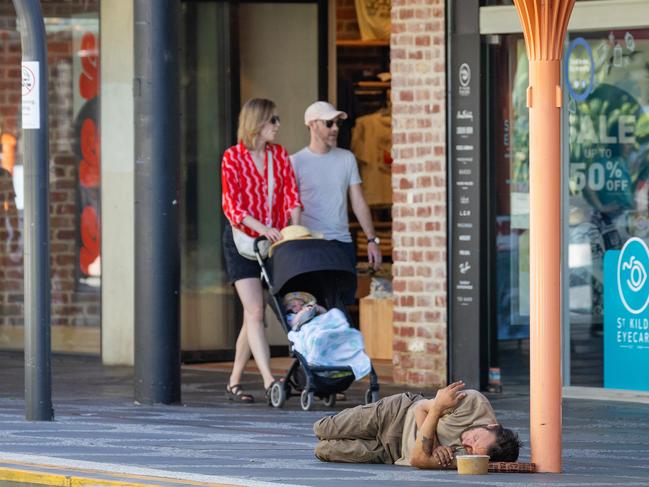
[(361, 210), (428, 453), (426, 435)]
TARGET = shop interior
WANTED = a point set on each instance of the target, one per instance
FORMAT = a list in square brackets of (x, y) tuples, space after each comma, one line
[(224, 64), (363, 91)]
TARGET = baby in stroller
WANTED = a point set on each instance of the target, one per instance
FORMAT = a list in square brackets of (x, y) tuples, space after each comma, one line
[(301, 307), (301, 275), (324, 337)]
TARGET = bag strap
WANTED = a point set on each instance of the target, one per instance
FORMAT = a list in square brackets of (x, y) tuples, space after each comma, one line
[(271, 185)]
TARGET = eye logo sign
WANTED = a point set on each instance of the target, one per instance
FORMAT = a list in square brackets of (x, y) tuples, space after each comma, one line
[(464, 79), (465, 75), (632, 274), (638, 274)]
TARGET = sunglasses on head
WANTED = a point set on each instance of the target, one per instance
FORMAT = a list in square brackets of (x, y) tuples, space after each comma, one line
[(274, 119), (330, 123)]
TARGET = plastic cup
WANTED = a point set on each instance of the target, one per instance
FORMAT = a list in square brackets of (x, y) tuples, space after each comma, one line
[(472, 464)]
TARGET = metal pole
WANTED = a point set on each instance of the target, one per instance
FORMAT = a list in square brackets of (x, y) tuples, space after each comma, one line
[(38, 373), (545, 264), (544, 24), (157, 156)]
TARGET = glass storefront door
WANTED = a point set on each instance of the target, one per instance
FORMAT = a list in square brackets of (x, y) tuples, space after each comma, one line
[(606, 150), (232, 51), (509, 155), (607, 77), (208, 306)]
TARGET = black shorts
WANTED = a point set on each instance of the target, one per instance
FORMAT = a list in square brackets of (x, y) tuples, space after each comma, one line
[(237, 267), (349, 297)]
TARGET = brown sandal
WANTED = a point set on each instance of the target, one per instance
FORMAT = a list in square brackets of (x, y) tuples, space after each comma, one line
[(235, 393)]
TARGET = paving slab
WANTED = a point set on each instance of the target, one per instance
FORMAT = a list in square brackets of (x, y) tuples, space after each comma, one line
[(208, 440)]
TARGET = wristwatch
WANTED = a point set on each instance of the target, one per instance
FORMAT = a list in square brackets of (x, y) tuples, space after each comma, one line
[(376, 240)]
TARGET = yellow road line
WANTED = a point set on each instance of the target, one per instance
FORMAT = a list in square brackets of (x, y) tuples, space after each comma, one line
[(14, 475), (41, 475)]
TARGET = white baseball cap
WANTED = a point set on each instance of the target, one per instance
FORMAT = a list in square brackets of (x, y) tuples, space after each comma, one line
[(322, 110)]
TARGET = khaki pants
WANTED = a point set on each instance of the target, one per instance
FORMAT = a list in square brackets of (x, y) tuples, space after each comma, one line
[(365, 434)]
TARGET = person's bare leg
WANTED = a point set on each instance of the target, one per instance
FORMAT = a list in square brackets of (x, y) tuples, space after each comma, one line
[(241, 356), (252, 298)]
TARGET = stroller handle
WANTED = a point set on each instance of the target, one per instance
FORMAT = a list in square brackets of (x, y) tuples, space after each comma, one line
[(255, 243), (264, 274)]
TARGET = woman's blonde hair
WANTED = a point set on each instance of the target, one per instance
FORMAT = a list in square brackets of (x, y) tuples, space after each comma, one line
[(254, 114)]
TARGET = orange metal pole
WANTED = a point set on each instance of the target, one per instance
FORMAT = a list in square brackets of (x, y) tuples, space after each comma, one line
[(545, 265), (544, 25)]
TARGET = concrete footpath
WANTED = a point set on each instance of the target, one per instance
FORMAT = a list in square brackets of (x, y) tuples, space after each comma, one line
[(100, 437)]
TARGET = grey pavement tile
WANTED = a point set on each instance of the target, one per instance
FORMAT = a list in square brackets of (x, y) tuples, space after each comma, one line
[(604, 443)]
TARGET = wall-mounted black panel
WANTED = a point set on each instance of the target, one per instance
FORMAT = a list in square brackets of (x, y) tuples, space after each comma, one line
[(465, 193)]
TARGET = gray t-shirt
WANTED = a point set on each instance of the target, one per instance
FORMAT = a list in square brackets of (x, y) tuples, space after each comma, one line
[(323, 181), (473, 410)]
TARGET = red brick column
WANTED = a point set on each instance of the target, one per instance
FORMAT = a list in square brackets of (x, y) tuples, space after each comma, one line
[(419, 182)]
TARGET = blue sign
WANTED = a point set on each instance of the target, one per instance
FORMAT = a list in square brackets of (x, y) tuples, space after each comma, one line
[(626, 317), (579, 69)]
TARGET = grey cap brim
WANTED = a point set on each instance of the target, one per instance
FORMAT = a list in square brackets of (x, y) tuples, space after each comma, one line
[(335, 114)]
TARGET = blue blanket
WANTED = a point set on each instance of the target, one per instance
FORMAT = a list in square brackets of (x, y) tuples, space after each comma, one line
[(328, 340)]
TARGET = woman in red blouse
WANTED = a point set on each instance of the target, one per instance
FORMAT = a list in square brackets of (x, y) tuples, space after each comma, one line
[(244, 178)]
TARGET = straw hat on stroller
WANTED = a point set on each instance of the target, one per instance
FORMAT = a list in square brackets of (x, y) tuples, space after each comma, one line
[(294, 232)]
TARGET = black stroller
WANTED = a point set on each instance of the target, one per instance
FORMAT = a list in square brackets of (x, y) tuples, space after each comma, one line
[(322, 269)]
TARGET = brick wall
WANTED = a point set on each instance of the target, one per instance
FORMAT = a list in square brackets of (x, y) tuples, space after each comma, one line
[(419, 182), (70, 305)]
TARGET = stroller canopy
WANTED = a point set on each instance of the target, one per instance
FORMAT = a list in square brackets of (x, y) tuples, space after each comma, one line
[(297, 257)]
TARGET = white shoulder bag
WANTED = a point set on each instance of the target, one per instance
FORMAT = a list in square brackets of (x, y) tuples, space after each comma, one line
[(242, 240)]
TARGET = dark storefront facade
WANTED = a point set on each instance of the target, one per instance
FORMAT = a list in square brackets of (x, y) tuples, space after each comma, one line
[(605, 165)]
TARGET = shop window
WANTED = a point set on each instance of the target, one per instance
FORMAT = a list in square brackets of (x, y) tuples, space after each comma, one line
[(606, 149), (608, 111), (72, 31)]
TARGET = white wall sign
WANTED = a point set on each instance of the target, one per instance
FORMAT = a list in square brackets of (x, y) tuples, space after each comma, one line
[(31, 112)]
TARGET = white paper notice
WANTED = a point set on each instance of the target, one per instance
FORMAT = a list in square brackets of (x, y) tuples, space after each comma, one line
[(31, 95), (520, 204)]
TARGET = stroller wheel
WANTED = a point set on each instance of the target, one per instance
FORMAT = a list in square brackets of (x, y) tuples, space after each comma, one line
[(277, 394), (306, 400), (330, 400), (371, 396)]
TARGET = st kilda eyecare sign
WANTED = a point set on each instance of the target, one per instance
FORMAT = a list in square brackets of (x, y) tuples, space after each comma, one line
[(464, 190)]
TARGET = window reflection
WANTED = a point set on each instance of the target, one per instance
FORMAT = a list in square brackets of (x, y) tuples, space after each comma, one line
[(608, 81), (608, 159), (72, 33)]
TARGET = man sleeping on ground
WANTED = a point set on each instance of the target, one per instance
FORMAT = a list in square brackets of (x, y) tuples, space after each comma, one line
[(407, 429)]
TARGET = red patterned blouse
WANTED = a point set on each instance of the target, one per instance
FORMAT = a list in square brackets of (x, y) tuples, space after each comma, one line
[(245, 190)]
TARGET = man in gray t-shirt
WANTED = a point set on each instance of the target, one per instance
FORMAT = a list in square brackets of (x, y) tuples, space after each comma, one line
[(323, 181), (326, 175)]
